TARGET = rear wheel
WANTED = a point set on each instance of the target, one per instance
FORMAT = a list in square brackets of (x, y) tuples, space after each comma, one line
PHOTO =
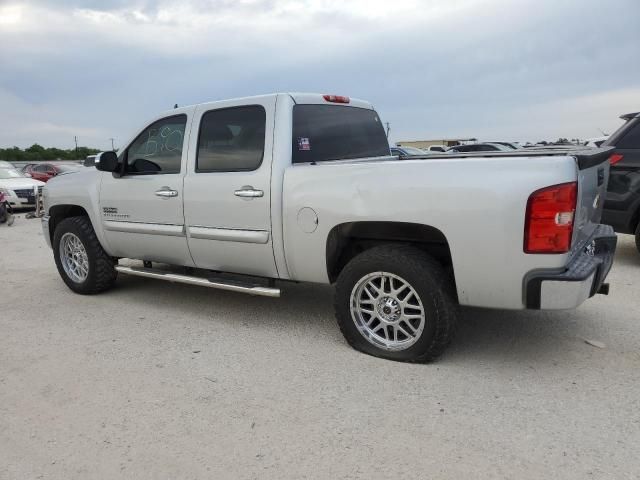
[(394, 302), (82, 262)]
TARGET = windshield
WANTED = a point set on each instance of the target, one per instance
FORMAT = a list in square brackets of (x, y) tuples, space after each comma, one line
[(6, 173), (413, 151), (502, 147)]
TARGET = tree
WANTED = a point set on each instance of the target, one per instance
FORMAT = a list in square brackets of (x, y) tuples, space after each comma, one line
[(37, 152)]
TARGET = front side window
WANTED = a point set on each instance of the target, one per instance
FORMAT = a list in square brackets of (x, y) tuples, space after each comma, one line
[(231, 139), (158, 149), (331, 132)]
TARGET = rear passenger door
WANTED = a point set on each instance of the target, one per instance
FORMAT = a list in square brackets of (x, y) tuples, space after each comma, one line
[(227, 187)]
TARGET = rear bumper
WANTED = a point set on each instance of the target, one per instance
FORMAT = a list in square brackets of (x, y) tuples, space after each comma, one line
[(582, 278)]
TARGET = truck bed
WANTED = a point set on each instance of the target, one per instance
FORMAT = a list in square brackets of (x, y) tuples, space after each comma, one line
[(586, 157)]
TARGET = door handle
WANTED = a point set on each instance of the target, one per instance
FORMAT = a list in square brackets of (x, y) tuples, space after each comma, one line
[(166, 192), (248, 192)]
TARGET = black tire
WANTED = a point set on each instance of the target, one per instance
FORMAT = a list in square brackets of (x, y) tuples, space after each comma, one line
[(426, 276), (638, 237), (102, 274)]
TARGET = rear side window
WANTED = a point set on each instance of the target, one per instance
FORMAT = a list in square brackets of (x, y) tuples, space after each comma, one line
[(231, 139), (330, 132), (158, 149), (631, 139)]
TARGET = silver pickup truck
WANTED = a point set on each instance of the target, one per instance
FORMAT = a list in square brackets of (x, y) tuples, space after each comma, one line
[(246, 194)]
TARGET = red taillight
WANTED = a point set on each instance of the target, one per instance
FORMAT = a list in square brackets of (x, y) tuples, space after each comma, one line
[(615, 158), (549, 221), (336, 98)]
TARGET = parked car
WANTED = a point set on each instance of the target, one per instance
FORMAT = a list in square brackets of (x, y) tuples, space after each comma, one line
[(596, 141), (622, 205), (480, 147), (436, 148), (46, 171), (302, 187), (403, 151), (511, 145), (19, 191)]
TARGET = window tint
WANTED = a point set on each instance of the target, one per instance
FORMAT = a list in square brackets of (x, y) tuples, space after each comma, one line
[(231, 139), (159, 148), (631, 139), (331, 132)]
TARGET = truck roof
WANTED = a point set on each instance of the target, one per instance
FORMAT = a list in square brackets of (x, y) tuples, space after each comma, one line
[(298, 97)]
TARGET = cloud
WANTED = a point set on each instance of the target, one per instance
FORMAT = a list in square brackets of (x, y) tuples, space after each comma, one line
[(433, 68)]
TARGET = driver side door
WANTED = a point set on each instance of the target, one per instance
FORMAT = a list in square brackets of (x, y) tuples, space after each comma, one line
[(142, 206)]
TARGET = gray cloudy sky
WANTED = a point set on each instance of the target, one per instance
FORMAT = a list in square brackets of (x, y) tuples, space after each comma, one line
[(492, 69)]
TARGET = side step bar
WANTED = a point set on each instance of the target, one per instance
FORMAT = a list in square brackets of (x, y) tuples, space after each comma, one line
[(219, 283)]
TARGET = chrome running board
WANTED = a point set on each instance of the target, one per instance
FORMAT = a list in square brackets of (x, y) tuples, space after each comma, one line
[(219, 283)]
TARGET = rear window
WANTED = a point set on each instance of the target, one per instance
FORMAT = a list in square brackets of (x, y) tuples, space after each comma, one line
[(329, 132)]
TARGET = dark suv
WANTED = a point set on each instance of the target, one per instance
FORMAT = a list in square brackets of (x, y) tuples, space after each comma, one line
[(622, 206)]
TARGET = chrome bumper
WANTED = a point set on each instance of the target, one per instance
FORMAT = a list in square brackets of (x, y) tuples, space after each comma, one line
[(582, 278), (45, 229)]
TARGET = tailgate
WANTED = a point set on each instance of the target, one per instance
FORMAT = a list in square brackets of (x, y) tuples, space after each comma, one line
[(593, 176)]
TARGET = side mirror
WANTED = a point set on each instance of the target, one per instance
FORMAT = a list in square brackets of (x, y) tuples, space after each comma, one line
[(107, 161)]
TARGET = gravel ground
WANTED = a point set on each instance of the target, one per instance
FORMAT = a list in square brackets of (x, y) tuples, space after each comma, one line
[(156, 380)]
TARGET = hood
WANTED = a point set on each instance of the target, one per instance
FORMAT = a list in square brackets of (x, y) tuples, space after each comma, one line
[(13, 183)]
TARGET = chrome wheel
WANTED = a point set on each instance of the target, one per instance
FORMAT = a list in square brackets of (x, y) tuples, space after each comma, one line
[(73, 257), (387, 311)]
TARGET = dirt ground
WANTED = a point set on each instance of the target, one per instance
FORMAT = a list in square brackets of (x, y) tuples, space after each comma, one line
[(157, 380)]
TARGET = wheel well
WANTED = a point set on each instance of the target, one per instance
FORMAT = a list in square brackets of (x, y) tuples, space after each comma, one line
[(57, 213), (347, 240), (635, 221)]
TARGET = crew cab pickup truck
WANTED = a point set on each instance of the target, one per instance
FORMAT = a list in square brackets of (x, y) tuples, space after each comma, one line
[(246, 194)]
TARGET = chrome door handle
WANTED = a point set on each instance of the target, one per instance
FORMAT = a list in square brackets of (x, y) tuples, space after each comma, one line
[(248, 192), (166, 192)]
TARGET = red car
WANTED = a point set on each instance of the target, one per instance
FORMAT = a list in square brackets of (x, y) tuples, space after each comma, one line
[(46, 171)]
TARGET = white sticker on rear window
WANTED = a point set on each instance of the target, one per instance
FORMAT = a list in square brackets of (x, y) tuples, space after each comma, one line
[(304, 144)]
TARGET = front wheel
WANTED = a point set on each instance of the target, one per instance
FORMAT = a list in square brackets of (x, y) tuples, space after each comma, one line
[(82, 262), (395, 302)]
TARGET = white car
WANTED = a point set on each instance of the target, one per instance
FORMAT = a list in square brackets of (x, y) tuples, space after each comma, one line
[(20, 191), (595, 142), (436, 148)]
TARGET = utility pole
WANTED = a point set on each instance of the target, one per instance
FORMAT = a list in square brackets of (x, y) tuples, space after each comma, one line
[(75, 139), (112, 147), (388, 128)]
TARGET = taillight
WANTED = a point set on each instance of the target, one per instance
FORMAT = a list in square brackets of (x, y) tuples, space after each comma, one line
[(615, 158), (336, 98), (549, 219)]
